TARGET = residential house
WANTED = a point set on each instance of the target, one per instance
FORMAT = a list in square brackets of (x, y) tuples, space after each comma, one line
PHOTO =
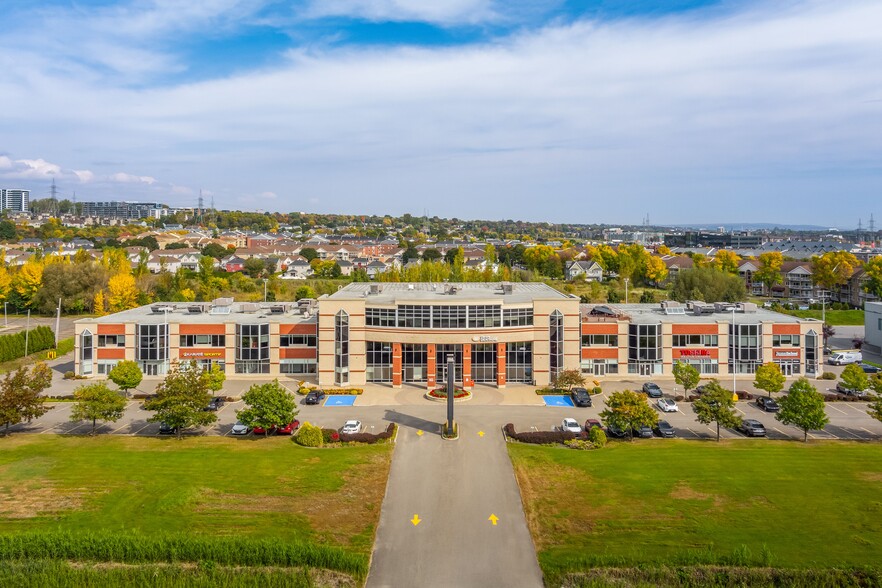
[(589, 270)]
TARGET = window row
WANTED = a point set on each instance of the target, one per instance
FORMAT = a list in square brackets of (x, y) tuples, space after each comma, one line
[(695, 340), (111, 341), (600, 340), (785, 340), (416, 316), (203, 340), (298, 341)]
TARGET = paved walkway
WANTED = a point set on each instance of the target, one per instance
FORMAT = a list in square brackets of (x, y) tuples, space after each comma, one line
[(453, 488)]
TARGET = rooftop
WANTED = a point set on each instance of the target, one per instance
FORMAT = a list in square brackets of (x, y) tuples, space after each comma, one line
[(446, 293), (654, 314), (219, 311)]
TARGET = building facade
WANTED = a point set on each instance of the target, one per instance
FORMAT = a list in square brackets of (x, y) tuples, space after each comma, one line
[(399, 334), (124, 210), (14, 200)]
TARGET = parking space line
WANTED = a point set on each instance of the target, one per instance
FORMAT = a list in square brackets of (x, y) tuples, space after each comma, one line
[(782, 432), (868, 431), (141, 429), (860, 410), (113, 432), (836, 409), (693, 432)]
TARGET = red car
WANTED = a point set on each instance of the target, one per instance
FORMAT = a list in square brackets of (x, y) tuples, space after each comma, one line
[(262, 431), (289, 428)]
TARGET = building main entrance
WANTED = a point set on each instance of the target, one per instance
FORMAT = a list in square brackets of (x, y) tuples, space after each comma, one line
[(441, 353)]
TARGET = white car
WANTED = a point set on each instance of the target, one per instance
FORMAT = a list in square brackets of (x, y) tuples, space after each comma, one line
[(351, 427), (570, 425), (667, 405), (240, 429)]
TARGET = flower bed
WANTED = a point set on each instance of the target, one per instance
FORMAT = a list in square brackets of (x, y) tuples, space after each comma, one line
[(441, 394), (552, 392)]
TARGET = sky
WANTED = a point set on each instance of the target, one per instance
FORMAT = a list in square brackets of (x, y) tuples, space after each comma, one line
[(591, 111)]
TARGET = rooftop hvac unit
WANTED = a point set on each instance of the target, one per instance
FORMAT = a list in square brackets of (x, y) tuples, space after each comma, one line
[(222, 302), (374, 289), (748, 307), (507, 288), (250, 307), (724, 306), (161, 308), (277, 309), (195, 309), (452, 290)]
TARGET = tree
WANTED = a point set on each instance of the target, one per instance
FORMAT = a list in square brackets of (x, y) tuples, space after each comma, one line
[(656, 270), (536, 256), (489, 253), (181, 399), (569, 378), (216, 251), (98, 305), (327, 269), (5, 282), (20, 394), (727, 261), (875, 406), (716, 406), (431, 254), (126, 374), (254, 266), (769, 272), (768, 377), (214, 378), (854, 378), (628, 410), (833, 269), (409, 254), (269, 405), (97, 402), (304, 292), (309, 253), (873, 272), (28, 281), (7, 230), (122, 292), (686, 375), (206, 268), (803, 406), (708, 284)]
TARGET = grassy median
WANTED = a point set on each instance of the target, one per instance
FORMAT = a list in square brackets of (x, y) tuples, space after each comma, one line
[(233, 502), (743, 503)]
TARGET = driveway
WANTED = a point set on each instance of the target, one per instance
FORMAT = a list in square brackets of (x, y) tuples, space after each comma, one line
[(470, 528)]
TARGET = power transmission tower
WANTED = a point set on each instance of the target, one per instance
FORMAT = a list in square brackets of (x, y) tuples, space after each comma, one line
[(199, 211), (54, 194)]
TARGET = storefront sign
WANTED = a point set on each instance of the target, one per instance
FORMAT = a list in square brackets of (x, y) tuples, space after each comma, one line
[(484, 339), (695, 353), (779, 354), (202, 354)]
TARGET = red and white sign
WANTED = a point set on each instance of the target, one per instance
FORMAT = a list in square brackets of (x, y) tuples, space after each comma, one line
[(695, 353), (786, 354)]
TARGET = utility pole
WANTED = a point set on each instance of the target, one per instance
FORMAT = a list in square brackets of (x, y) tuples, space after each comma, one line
[(57, 322), (450, 425), (27, 332)]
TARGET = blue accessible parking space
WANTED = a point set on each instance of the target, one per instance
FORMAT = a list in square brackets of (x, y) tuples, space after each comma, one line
[(558, 401), (342, 400)]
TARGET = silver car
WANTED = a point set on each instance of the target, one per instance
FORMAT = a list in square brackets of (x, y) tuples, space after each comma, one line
[(240, 429), (666, 405)]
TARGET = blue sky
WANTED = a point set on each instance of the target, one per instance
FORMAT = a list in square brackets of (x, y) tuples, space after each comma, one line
[(593, 111)]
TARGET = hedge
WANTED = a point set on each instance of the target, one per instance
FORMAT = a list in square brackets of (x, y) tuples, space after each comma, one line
[(368, 437), (13, 346), (539, 437)]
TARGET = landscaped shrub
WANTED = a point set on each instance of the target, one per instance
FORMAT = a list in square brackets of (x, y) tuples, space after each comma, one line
[(539, 437), (842, 398), (596, 390), (551, 391), (678, 399), (597, 436), (828, 376), (38, 339), (309, 436), (330, 436), (744, 396), (580, 444), (368, 437)]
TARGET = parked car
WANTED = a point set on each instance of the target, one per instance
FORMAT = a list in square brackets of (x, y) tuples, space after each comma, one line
[(592, 423), (289, 428), (614, 431), (652, 390), (262, 431), (753, 428), (580, 397), (240, 429), (644, 432), (664, 429), (351, 427), (870, 368), (666, 405), (314, 397), (167, 429), (767, 404), (215, 404), (570, 425), (842, 389), (846, 357)]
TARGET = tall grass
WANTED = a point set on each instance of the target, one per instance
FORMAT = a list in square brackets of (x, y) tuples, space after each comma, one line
[(138, 548), (57, 574)]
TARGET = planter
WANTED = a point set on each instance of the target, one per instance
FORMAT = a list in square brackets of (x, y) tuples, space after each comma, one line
[(440, 395)]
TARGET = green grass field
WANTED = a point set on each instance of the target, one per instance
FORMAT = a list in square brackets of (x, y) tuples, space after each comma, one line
[(205, 489), (744, 503), (834, 317)]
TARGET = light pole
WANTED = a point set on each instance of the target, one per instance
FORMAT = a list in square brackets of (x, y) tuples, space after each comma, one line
[(626, 290), (167, 362), (264, 289), (5, 321), (734, 352), (27, 332), (824, 303)]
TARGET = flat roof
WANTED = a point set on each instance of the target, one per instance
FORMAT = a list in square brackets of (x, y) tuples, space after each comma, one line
[(179, 312), (653, 313), (440, 292)]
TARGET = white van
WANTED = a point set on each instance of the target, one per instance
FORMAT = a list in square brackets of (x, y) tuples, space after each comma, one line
[(846, 357)]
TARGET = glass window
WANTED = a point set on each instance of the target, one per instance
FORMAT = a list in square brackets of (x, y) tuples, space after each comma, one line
[(86, 353), (379, 362), (111, 340), (414, 358), (414, 316), (298, 366), (519, 362), (695, 340), (811, 352), (785, 340), (517, 317), (341, 348), (379, 317), (745, 347), (556, 342), (484, 316), (600, 340), (252, 349), (153, 342), (448, 317), (298, 341), (203, 340), (484, 362)]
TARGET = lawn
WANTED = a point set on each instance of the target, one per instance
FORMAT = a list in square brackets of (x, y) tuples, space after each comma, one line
[(754, 503), (207, 488), (834, 317)]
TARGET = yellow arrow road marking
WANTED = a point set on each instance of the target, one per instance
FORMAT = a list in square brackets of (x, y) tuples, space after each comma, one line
[(480, 433), (420, 433), (493, 519), (416, 520)]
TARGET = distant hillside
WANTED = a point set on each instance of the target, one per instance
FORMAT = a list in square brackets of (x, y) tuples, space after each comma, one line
[(751, 227)]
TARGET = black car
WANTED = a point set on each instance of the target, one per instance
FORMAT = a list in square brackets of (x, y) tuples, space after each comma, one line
[(215, 404), (753, 428), (643, 432), (314, 397), (767, 404), (842, 389), (614, 431), (580, 397), (664, 429), (167, 429), (652, 390), (870, 368)]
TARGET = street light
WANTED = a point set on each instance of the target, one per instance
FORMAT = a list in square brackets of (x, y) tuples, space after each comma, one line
[(264, 289), (824, 303), (734, 353), (626, 290)]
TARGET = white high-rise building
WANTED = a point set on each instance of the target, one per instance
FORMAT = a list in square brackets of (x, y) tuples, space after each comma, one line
[(14, 200)]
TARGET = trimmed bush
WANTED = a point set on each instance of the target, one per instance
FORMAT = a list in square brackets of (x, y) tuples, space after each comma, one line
[(745, 396), (369, 438), (309, 436), (842, 398), (828, 376), (539, 437), (330, 436), (597, 436), (596, 390), (13, 346), (582, 444)]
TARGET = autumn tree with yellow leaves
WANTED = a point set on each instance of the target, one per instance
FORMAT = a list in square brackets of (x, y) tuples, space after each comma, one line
[(122, 292)]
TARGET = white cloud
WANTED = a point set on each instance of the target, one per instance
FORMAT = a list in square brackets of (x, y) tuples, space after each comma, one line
[(84, 176), (124, 178), (5, 162), (435, 11), (268, 195)]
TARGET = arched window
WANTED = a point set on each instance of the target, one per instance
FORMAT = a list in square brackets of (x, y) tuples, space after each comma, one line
[(341, 348), (86, 352), (811, 352), (556, 341)]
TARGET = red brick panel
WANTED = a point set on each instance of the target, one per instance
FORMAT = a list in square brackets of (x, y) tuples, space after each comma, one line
[(500, 364), (785, 329), (105, 329), (467, 365), (111, 353), (600, 353), (396, 364), (297, 353), (202, 329), (600, 329), (299, 329), (695, 329)]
